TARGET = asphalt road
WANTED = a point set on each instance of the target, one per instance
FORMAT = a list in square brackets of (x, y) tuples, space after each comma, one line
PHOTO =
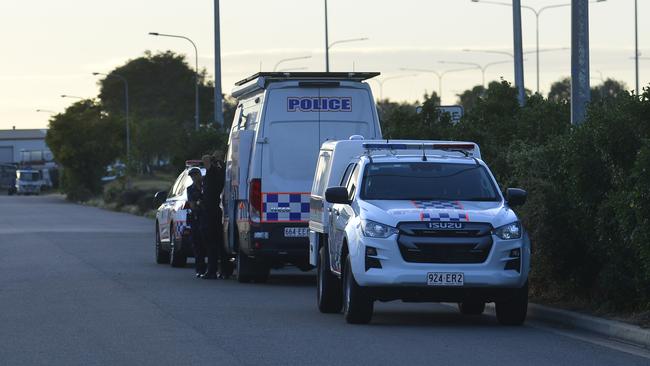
[(79, 286)]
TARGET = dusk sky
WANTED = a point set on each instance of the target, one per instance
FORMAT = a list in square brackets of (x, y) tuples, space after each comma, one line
[(52, 47)]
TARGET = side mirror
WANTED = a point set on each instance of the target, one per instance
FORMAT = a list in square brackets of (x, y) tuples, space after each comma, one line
[(159, 198), (337, 195), (516, 196)]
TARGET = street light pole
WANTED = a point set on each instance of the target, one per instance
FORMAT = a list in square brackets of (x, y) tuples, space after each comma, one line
[(343, 41), (218, 95), (196, 84), (327, 43), (537, 13), (126, 111), (518, 51), (382, 81), (275, 68), (580, 91), (636, 45), (71, 96), (439, 75), (475, 65)]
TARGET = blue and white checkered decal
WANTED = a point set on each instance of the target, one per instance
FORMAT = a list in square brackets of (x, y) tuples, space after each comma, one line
[(441, 211), (285, 207), (450, 205)]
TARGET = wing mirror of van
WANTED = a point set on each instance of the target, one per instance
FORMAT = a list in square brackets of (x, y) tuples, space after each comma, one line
[(159, 198), (516, 196), (337, 195)]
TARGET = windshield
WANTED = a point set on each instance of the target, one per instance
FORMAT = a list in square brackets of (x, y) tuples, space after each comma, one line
[(427, 181), (28, 176)]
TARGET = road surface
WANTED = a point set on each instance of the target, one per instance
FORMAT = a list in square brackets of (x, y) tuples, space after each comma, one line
[(79, 286)]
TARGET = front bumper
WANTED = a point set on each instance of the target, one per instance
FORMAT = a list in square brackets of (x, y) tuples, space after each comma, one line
[(395, 272)]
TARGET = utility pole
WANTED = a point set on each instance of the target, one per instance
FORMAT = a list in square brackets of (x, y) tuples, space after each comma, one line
[(519, 53), (218, 96), (327, 43), (580, 92), (636, 45)]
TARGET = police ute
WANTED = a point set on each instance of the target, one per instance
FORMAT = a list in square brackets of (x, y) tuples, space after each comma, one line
[(280, 122), (418, 221)]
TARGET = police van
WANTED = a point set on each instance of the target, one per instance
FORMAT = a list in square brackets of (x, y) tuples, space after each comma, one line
[(279, 125), (419, 221)]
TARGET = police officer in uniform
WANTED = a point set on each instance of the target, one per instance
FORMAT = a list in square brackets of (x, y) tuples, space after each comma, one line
[(213, 217), (194, 218)]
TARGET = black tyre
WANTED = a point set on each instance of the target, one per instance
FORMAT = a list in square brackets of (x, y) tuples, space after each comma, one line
[(328, 294), (262, 272), (357, 305), (162, 257), (177, 259), (244, 267), (471, 307), (513, 310)]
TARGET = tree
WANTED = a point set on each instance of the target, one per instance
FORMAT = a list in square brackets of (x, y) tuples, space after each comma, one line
[(609, 89), (84, 140), (560, 91), (161, 99), (469, 98)]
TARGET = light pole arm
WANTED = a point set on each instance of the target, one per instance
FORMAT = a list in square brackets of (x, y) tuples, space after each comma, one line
[(346, 41)]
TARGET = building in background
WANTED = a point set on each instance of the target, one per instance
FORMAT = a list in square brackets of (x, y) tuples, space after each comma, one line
[(27, 149)]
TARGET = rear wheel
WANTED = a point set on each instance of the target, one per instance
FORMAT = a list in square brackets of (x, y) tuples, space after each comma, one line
[(513, 310), (329, 294), (357, 305), (177, 259), (471, 307), (162, 257), (244, 267)]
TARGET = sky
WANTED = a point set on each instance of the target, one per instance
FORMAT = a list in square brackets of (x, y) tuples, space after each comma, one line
[(51, 48)]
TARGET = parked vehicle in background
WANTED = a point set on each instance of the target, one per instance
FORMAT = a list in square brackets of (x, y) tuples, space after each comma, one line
[(173, 232), (8, 178), (28, 181), (280, 123), (423, 221)]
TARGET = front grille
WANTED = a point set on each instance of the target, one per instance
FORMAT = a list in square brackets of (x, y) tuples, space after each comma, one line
[(418, 243)]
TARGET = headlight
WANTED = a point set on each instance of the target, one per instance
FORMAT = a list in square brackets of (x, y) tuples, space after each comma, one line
[(376, 230), (510, 231)]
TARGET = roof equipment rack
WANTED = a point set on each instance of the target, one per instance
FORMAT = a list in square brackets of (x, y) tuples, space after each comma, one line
[(282, 76)]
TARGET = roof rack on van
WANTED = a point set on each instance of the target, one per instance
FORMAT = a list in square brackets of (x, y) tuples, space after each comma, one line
[(281, 76), (467, 149)]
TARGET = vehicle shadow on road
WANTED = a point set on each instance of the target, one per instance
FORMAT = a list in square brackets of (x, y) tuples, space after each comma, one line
[(433, 318), (293, 280)]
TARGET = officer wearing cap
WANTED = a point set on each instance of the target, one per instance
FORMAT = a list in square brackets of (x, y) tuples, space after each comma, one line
[(195, 198)]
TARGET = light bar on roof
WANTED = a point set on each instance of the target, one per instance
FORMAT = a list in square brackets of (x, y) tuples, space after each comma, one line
[(191, 163), (416, 146)]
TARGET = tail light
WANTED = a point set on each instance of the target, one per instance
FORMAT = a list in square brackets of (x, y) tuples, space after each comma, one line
[(255, 195)]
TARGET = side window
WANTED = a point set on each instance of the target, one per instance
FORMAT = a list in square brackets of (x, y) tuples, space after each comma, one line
[(320, 179), (182, 187), (174, 189), (352, 184), (346, 175)]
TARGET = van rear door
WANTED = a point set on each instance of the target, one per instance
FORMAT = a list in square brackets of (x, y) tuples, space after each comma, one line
[(289, 152)]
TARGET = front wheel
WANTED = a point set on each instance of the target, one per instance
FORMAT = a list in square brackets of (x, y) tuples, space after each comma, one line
[(177, 259), (162, 257), (513, 310), (329, 295), (357, 305)]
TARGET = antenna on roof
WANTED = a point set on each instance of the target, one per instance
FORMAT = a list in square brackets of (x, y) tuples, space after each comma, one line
[(424, 153)]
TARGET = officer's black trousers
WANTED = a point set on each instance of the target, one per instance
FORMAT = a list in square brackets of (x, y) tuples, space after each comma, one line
[(213, 238), (198, 247)]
